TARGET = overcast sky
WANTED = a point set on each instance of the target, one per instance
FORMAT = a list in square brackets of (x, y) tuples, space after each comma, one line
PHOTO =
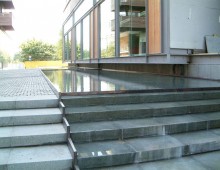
[(39, 19)]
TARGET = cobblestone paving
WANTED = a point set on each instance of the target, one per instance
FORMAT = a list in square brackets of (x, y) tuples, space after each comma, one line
[(23, 83)]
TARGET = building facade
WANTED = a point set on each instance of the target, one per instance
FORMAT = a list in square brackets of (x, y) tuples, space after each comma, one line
[(157, 36), (6, 16)]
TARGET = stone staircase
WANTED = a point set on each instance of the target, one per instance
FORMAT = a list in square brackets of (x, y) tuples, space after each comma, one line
[(33, 136), (130, 129)]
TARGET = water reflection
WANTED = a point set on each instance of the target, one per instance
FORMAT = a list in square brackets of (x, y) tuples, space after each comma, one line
[(68, 81)]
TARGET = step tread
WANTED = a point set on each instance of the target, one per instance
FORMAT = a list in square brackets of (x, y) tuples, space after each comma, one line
[(32, 135), (139, 123), (30, 116), (137, 94), (151, 148), (205, 161), (125, 107), (29, 102), (32, 130), (29, 112), (22, 156)]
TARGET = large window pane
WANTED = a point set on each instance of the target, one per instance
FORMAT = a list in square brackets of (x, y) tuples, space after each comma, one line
[(83, 8), (68, 25), (65, 47), (107, 30), (78, 41), (132, 27), (69, 45), (86, 38)]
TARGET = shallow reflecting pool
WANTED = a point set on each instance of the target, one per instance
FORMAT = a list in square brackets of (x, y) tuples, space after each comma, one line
[(71, 81)]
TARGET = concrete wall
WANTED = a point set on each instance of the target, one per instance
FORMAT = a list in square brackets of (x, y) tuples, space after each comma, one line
[(204, 66), (201, 66), (163, 69), (191, 20)]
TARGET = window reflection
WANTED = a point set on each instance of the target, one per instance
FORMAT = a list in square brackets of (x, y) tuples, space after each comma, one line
[(78, 41), (107, 33), (132, 27), (86, 38), (67, 46), (107, 86), (83, 8)]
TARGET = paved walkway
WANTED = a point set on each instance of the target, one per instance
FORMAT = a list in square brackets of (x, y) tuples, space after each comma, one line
[(25, 89), (23, 83)]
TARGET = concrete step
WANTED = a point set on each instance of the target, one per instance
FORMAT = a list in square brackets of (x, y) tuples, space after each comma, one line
[(32, 135), (136, 111), (54, 157), (118, 99), (30, 116), (28, 102), (124, 129), (112, 153), (205, 161)]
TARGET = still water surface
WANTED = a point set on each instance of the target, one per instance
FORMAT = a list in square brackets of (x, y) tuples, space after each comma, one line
[(72, 81)]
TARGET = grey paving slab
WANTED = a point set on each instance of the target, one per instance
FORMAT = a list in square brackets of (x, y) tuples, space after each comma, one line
[(149, 149), (107, 154), (174, 164), (32, 135), (23, 83), (25, 89), (132, 111), (156, 148), (30, 116), (198, 142), (42, 157), (117, 99), (209, 160), (122, 129)]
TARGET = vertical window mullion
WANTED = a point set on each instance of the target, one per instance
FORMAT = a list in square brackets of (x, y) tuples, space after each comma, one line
[(117, 28), (81, 39)]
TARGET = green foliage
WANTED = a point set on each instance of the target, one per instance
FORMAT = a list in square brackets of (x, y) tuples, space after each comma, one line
[(78, 52), (4, 58), (109, 51), (38, 50), (59, 48)]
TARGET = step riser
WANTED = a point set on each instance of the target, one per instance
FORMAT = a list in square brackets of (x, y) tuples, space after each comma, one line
[(32, 140), (28, 104), (136, 114), (143, 131), (30, 120), (147, 156), (105, 161), (55, 165), (139, 98)]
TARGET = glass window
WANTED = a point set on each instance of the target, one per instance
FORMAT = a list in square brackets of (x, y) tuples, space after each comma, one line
[(65, 47), (86, 38), (68, 25), (69, 45), (132, 28), (83, 8), (107, 30), (78, 42)]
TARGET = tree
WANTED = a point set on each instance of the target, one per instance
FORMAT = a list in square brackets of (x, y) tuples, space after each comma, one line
[(36, 50), (4, 58), (59, 47), (109, 51)]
